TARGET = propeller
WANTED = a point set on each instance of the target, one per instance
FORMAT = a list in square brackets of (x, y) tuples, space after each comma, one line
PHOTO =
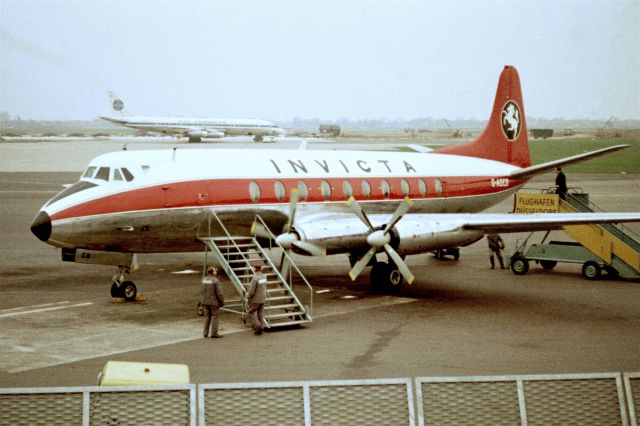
[(290, 239), (380, 239)]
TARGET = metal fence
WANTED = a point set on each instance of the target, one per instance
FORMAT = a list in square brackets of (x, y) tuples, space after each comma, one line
[(632, 389), (345, 402), (581, 399), (584, 399), (112, 405)]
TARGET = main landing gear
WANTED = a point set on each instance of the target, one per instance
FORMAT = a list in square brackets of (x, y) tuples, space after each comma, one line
[(121, 286), (385, 278)]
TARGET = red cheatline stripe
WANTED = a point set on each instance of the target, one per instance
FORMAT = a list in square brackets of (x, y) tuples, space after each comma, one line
[(220, 192)]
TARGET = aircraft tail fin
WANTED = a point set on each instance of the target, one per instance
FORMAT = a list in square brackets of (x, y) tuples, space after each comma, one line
[(505, 137), (117, 106)]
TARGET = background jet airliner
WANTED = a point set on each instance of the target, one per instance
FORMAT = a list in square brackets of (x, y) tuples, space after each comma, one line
[(357, 203), (194, 128)]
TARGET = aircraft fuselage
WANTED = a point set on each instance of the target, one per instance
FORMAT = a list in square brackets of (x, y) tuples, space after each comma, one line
[(160, 201)]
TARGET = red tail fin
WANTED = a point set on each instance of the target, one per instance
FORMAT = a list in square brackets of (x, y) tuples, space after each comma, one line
[(505, 137)]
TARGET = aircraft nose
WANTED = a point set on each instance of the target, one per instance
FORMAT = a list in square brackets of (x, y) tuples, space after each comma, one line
[(41, 226)]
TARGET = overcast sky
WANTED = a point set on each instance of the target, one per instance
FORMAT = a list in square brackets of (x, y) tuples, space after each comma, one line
[(318, 59)]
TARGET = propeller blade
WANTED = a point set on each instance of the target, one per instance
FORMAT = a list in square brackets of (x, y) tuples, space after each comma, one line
[(402, 209), (362, 263), (293, 204), (310, 248), (402, 267), (260, 231), (357, 210), (284, 266)]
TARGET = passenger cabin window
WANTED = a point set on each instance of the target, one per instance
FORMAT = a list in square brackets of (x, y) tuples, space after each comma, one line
[(254, 192), (303, 190), (385, 188), (366, 189), (347, 190), (90, 172), (422, 187), (325, 189), (438, 185), (406, 189), (278, 188), (103, 173)]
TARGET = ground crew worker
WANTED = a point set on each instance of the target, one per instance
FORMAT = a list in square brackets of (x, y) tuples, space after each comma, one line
[(212, 301), (561, 183), (256, 298), (496, 244)]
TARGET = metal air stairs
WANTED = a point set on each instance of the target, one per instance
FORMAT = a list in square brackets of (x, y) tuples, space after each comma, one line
[(616, 245), (238, 255)]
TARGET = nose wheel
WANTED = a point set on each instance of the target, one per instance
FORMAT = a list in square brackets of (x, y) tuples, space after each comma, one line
[(123, 288)]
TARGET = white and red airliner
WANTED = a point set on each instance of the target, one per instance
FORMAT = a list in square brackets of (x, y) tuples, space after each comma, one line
[(358, 203)]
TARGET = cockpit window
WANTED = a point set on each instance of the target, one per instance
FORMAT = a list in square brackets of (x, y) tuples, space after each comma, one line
[(90, 171), (76, 187), (117, 175), (103, 173), (127, 174)]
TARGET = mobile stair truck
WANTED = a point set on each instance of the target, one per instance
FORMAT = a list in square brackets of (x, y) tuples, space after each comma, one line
[(609, 248)]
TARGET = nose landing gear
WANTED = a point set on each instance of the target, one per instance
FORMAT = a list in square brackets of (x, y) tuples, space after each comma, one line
[(121, 287)]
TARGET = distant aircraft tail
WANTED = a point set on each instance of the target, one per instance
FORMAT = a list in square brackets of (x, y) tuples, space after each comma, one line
[(117, 106), (505, 137)]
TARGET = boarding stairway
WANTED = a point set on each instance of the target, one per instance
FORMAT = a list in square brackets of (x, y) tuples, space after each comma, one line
[(617, 245), (238, 255)]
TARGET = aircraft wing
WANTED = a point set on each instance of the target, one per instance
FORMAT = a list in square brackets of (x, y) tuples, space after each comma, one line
[(343, 232), (511, 222)]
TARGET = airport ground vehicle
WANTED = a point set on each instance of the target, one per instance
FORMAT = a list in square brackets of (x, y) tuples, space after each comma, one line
[(549, 255), (599, 248)]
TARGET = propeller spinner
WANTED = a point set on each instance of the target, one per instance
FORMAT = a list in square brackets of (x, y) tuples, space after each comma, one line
[(290, 239)]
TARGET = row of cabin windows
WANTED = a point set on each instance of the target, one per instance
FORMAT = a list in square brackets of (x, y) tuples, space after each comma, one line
[(105, 173), (347, 189)]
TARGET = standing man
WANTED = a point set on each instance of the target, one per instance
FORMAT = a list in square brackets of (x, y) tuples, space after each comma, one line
[(256, 298), (495, 245), (561, 183), (212, 300)]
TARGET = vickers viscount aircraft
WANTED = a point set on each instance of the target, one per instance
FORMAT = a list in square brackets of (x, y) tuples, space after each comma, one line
[(194, 128), (355, 203)]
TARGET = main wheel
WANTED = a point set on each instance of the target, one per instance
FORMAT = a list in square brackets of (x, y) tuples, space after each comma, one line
[(456, 253), (116, 290), (519, 265), (385, 278), (548, 264), (129, 290), (591, 270)]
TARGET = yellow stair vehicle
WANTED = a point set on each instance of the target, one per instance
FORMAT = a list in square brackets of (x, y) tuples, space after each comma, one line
[(609, 248)]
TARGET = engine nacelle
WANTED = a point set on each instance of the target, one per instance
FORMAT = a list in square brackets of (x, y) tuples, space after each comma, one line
[(196, 134), (411, 235), (212, 133)]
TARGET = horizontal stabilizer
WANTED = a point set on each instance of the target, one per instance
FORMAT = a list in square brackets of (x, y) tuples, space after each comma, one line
[(528, 172), (419, 148)]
